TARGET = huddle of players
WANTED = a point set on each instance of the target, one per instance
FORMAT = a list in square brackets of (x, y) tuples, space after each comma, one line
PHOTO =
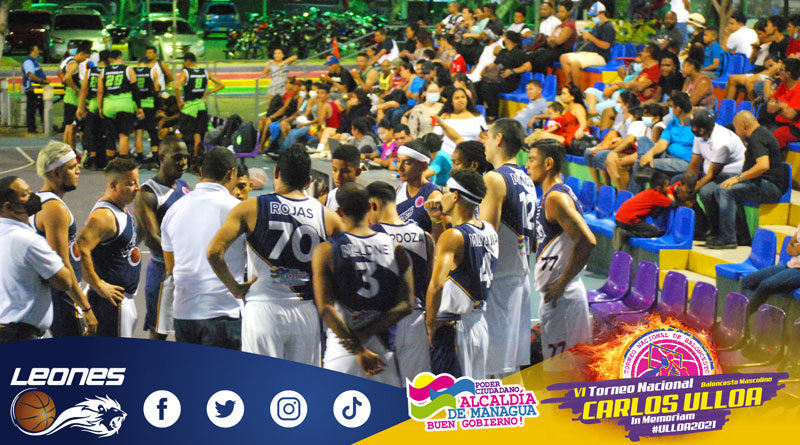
[(112, 100), (391, 303)]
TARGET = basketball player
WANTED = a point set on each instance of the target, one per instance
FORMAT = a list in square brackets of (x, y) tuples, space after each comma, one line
[(242, 189), (282, 229), (412, 160), (194, 116), (466, 257), (154, 199), (69, 74), (363, 287), (93, 138), (58, 166), (345, 167), (565, 244), (149, 87), (411, 346), (509, 206), (110, 260), (118, 100)]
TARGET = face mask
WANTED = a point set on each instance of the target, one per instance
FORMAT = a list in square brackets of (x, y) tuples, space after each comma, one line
[(637, 67), (73, 51), (303, 94), (312, 94), (690, 29), (433, 97), (32, 205), (618, 108), (596, 20), (647, 121)]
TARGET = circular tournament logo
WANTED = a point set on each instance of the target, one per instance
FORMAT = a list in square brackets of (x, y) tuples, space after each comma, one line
[(74, 252), (135, 257), (666, 352), (419, 202)]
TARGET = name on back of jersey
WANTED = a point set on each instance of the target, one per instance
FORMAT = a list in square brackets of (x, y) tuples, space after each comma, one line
[(280, 208), (406, 237), (481, 240), (365, 250), (520, 178)]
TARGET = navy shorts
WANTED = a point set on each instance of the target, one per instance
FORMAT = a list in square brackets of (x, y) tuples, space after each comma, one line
[(444, 356), (66, 322), (156, 272)]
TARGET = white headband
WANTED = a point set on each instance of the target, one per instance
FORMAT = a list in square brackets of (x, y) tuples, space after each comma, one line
[(464, 193), (414, 154), (61, 161)]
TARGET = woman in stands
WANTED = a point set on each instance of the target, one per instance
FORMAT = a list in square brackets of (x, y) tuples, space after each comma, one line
[(419, 118), (697, 85), (460, 114), (573, 120), (561, 41), (464, 25), (615, 139)]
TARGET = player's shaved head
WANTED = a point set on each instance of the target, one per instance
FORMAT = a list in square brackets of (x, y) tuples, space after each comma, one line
[(118, 167)]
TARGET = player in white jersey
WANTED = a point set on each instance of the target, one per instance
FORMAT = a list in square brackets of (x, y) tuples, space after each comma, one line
[(59, 167), (282, 230), (466, 257), (565, 244), (509, 205), (345, 167), (411, 339), (362, 287)]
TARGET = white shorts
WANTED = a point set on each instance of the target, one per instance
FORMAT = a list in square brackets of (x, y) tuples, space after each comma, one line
[(472, 343), (286, 329), (164, 320), (564, 325), (337, 358), (411, 346), (508, 317), (127, 317), (586, 58)]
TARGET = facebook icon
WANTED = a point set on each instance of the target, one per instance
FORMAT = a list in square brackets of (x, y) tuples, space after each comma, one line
[(162, 409)]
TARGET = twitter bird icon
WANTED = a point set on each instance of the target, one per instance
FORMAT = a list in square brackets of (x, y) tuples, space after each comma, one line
[(225, 409)]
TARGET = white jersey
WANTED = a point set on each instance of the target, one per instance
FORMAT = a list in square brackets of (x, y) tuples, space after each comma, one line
[(517, 221), (330, 200), (554, 245), (467, 286), (161, 78), (280, 247)]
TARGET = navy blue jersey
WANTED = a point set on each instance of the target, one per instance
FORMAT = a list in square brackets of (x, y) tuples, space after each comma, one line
[(117, 260), (554, 246), (467, 286), (165, 195), (413, 239), (74, 253), (280, 247), (366, 276), (412, 208), (517, 221)]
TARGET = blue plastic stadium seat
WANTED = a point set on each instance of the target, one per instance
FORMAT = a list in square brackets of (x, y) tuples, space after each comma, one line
[(786, 197), (580, 160), (604, 208), (606, 226), (727, 108), (603, 133), (680, 234), (617, 50), (744, 105), (574, 183), (600, 85), (594, 130), (794, 146), (549, 88), (588, 195), (732, 64), (519, 95), (539, 77), (630, 50), (762, 255)]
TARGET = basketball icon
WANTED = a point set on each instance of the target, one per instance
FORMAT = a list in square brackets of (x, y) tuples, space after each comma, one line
[(135, 257), (34, 411)]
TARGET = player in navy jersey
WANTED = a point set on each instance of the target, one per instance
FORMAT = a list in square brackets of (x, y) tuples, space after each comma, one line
[(362, 287), (110, 258), (411, 345), (412, 160), (345, 167), (153, 201), (466, 257), (59, 167), (565, 244), (509, 206), (282, 229)]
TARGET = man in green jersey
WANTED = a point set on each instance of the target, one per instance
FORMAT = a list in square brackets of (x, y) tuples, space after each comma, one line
[(118, 100)]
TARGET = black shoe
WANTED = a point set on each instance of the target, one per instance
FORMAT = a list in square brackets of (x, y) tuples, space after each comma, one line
[(139, 159), (89, 162), (718, 245)]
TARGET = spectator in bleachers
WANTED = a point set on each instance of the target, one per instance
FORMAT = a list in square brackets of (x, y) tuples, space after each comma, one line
[(762, 180), (695, 28), (494, 29), (388, 47), (398, 101), (521, 27), (671, 79), (535, 107), (460, 115), (364, 74), (646, 124), (342, 80), (425, 47), (438, 170), (697, 85), (777, 279), (793, 29), (717, 154), (631, 216), (448, 56), (419, 118), (407, 49), (549, 23), (781, 111), (753, 84), (712, 64), (357, 106), (673, 151), (615, 138), (386, 154), (670, 32), (740, 37), (509, 60), (594, 49), (571, 123), (559, 42), (681, 9), (464, 26), (477, 22), (452, 19)]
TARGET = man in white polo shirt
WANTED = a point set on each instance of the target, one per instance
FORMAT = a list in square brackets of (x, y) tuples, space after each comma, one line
[(204, 311), (28, 265), (718, 154), (740, 37)]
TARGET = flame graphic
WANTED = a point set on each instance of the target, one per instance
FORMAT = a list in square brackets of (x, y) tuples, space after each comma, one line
[(605, 358)]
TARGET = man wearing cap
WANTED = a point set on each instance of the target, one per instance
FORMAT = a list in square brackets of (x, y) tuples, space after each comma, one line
[(342, 79), (412, 159), (594, 49), (28, 266), (718, 154), (695, 28)]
